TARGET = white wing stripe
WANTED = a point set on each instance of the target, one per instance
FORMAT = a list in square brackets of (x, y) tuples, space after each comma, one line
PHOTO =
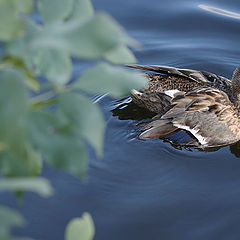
[(193, 131), (171, 93)]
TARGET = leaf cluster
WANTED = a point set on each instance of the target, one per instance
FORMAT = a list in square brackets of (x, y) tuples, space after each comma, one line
[(44, 114)]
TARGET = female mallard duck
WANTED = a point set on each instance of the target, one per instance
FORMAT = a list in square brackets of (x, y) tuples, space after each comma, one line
[(203, 104)]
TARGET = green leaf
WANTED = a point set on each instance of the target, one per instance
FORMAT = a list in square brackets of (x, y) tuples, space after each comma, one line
[(80, 228), (17, 156), (14, 110), (53, 136), (9, 218), (104, 78), (120, 55), (85, 117), (17, 47), (54, 10), (56, 65), (89, 40), (11, 23), (82, 10), (30, 81), (24, 6), (26, 162), (38, 185)]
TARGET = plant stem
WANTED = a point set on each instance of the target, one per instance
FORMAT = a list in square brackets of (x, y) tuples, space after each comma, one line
[(42, 97)]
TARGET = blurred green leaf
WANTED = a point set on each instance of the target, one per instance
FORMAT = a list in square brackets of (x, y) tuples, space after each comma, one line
[(54, 137), (9, 218), (80, 228), (17, 156), (26, 162), (38, 184), (30, 81), (55, 65), (14, 110), (24, 6), (82, 10), (85, 117), (57, 134), (90, 40), (19, 46), (54, 10), (31, 160), (104, 78), (71, 29), (120, 55), (11, 23)]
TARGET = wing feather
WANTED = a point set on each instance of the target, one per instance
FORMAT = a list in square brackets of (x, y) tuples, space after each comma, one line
[(206, 113), (202, 78), (193, 75)]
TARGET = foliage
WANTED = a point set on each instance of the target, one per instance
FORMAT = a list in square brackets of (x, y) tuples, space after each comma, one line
[(83, 227), (44, 115), (38, 185), (9, 218)]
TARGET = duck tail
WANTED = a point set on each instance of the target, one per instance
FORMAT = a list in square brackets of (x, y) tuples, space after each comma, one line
[(153, 68), (158, 128)]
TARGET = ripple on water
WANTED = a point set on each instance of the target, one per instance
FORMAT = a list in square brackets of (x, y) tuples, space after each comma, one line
[(149, 189), (220, 11)]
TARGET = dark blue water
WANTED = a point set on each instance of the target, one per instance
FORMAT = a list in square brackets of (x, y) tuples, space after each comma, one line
[(148, 189)]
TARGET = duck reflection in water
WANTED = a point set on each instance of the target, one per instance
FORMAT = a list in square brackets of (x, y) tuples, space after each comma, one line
[(187, 107)]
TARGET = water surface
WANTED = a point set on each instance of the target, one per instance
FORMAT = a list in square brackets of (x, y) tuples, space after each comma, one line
[(148, 189)]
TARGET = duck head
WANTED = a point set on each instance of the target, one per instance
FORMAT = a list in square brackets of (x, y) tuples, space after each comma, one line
[(157, 102)]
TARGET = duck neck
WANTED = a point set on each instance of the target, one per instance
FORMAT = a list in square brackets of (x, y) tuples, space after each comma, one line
[(236, 87), (237, 106), (236, 102)]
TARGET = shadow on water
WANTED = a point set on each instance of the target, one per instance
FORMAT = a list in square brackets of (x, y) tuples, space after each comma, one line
[(126, 109)]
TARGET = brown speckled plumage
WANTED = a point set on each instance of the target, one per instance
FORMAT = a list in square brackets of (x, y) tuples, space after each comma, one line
[(165, 82), (207, 105), (154, 101)]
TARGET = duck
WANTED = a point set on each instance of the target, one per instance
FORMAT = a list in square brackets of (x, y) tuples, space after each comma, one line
[(204, 105)]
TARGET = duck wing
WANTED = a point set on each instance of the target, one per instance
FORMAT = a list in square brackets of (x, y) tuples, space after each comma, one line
[(165, 86), (206, 113), (203, 78)]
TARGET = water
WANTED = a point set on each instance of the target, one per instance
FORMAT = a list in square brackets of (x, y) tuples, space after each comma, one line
[(148, 189)]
